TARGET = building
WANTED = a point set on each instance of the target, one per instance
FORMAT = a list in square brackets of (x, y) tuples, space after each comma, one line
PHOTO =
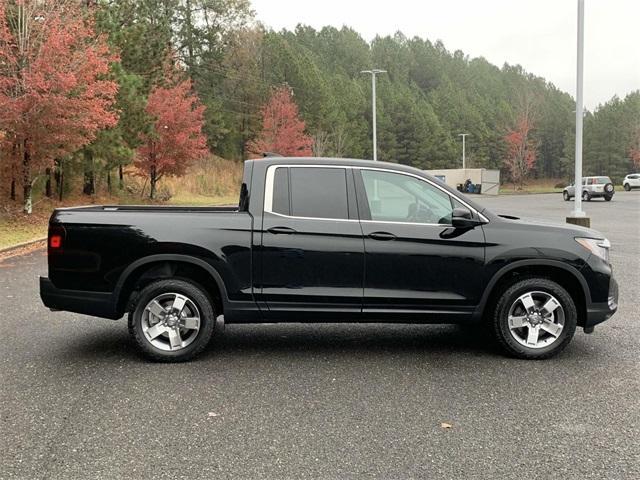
[(489, 180)]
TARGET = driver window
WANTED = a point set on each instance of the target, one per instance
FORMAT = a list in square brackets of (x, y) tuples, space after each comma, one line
[(394, 197)]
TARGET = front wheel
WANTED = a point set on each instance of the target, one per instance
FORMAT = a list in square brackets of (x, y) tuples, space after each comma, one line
[(565, 195), (534, 318), (586, 196), (627, 187), (173, 321)]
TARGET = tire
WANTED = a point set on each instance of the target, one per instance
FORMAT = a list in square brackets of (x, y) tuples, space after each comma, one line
[(163, 336), (566, 196), (627, 187), (586, 196), (509, 313), (608, 197)]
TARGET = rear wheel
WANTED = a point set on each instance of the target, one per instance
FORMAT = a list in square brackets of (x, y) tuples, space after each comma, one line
[(586, 196), (627, 187), (172, 321), (534, 318), (608, 197), (565, 195)]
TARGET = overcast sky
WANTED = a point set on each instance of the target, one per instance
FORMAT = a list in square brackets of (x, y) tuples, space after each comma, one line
[(540, 35)]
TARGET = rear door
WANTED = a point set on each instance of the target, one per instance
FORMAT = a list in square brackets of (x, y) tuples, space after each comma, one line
[(312, 245), (416, 264)]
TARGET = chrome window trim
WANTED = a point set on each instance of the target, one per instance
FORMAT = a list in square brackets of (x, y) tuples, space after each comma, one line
[(313, 218), (430, 183), (268, 192), (270, 177)]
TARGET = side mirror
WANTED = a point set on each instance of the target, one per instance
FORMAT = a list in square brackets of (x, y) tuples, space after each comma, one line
[(462, 218)]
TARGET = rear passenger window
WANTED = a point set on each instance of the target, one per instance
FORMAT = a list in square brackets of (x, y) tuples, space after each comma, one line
[(319, 192), (281, 192)]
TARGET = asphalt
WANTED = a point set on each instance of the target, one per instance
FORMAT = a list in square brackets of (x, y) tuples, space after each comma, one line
[(323, 401)]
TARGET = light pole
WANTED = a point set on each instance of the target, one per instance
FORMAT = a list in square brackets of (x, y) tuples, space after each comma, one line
[(578, 216), (464, 158), (373, 73)]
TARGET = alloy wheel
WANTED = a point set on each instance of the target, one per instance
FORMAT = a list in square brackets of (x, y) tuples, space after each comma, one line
[(536, 319), (171, 321)]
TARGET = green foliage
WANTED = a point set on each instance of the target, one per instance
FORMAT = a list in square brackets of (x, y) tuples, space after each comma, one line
[(607, 139), (427, 97)]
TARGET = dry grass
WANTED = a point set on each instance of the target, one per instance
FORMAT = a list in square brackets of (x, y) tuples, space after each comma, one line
[(16, 228), (213, 181), (210, 178), (538, 185)]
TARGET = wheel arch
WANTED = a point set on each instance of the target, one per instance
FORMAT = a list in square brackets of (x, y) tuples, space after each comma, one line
[(153, 267), (565, 275)]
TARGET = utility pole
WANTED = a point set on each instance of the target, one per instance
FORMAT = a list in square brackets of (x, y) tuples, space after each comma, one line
[(578, 215), (464, 157), (373, 73)]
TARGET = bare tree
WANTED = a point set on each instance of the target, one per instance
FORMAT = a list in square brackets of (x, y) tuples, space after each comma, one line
[(321, 143), (339, 137)]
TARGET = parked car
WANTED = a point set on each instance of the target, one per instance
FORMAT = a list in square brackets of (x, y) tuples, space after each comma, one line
[(592, 187), (631, 181), (328, 240)]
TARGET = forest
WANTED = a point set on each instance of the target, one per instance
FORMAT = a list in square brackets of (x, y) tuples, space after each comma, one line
[(94, 91)]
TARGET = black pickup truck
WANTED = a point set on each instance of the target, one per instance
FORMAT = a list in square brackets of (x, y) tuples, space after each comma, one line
[(325, 240)]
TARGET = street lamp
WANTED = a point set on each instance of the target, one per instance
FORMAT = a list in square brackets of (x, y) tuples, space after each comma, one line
[(464, 158), (373, 73)]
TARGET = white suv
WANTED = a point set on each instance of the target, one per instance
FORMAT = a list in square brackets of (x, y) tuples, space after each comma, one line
[(591, 187), (631, 181)]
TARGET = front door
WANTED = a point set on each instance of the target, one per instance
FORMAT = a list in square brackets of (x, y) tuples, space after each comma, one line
[(416, 264), (312, 247)]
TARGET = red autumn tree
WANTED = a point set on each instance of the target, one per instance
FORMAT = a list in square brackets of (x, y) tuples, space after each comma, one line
[(54, 95), (282, 129), (521, 150), (176, 139)]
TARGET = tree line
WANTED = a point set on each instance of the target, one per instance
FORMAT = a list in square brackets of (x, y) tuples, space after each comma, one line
[(89, 88)]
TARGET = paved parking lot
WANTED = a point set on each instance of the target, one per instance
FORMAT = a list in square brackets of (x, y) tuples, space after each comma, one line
[(323, 401)]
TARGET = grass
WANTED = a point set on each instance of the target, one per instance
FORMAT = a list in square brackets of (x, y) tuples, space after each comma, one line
[(195, 199), (14, 233), (16, 228), (541, 185), (545, 185), (213, 181)]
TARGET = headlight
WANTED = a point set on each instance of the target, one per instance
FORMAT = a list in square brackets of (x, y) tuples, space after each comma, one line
[(599, 247)]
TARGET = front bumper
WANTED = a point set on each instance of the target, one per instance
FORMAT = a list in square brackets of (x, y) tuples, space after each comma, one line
[(599, 312), (97, 304)]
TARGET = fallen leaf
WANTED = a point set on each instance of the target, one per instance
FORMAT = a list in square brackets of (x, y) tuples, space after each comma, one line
[(446, 425), (213, 414)]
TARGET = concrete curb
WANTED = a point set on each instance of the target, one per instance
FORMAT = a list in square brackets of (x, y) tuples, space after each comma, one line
[(21, 245)]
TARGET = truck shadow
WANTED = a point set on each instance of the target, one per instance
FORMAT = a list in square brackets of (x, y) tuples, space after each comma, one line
[(351, 338), (311, 340)]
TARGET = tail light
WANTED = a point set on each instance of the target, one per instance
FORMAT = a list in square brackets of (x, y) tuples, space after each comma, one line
[(56, 238), (55, 241)]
